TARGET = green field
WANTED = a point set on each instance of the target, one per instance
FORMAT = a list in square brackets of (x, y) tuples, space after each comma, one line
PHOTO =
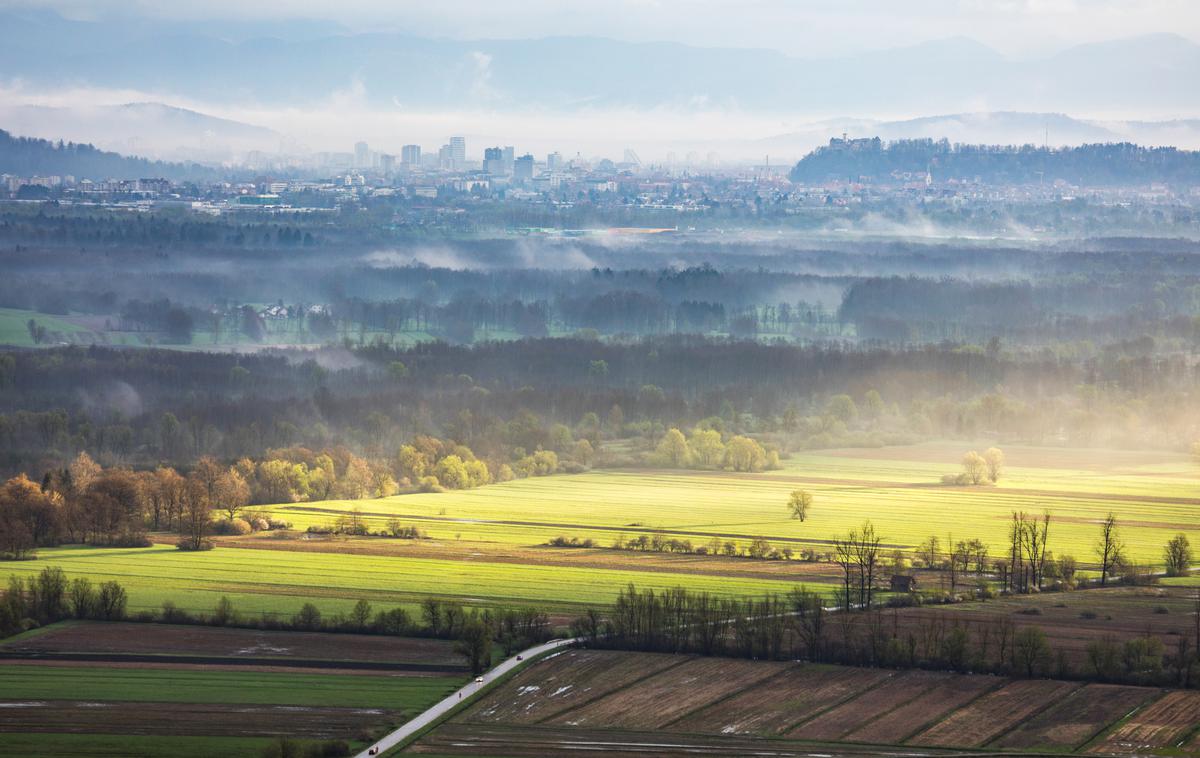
[(14, 329), (486, 545), (410, 694), (1154, 495), (280, 581), (106, 686)]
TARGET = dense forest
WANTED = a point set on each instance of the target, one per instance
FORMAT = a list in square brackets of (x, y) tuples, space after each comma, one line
[(505, 401), (29, 156), (1088, 165)]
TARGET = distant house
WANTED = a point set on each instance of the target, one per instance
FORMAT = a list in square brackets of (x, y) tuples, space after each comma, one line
[(904, 583)]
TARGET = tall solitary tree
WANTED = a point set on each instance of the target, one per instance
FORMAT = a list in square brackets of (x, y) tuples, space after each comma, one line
[(1177, 556), (1109, 548), (993, 458), (798, 504)]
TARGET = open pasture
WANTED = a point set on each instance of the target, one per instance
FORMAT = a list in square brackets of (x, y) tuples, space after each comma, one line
[(1153, 494), (281, 581)]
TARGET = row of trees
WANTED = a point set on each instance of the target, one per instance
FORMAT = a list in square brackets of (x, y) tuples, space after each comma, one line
[(800, 626), (704, 448), (85, 503), (49, 596)]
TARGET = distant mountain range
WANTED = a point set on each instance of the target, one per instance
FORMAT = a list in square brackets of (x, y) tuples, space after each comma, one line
[(306, 62), (145, 129), (1000, 128)]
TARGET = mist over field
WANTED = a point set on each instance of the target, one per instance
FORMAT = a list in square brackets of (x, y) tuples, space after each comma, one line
[(673, 377)]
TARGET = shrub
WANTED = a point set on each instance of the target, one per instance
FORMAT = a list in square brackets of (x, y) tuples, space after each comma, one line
[(186, 544), (309, 617)]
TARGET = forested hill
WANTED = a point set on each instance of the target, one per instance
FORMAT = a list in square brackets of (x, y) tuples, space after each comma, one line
[(1100, 164), (27, 156)]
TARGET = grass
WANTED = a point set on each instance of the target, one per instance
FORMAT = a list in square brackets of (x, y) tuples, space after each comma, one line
[(126, 746), (471, 555), (280, 581), (896, 488), (408, 694), (14, 329)]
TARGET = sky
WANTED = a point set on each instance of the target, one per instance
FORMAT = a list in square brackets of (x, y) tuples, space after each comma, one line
[(335, 118), (796, 27)]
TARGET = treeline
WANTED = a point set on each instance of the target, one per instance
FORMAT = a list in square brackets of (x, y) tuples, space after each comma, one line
[(1097, 309), (1096, 164), (85, 503), (49, 596), (798, 626), (30, 156), (505, 401)]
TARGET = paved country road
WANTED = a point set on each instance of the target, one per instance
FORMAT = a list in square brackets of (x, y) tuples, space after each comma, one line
[(441, 708)]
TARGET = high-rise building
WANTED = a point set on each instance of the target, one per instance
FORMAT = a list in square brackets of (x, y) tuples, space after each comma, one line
[(387, 163), (554, 161), (523, 168), (493, 161), (362, 155), (510, 158), (458, 151), (410, 155)]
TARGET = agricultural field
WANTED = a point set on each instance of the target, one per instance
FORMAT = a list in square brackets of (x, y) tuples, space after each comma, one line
[(279, 582), (79, 641), (131, 710), (722, 707), (1153, 495), (487, 546)]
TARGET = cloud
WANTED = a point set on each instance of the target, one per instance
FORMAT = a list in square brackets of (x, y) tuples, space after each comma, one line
[(799, 27)]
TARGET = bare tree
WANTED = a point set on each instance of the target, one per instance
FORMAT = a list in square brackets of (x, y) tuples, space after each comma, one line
[(195, 518), (1109, 549), (1033, 542)]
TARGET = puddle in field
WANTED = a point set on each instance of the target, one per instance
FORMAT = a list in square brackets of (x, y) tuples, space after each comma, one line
[(263, 648)]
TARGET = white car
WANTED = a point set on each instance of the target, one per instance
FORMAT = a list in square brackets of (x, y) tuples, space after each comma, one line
[(479, 680)]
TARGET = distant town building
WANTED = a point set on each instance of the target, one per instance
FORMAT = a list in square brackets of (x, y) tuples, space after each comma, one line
[(362, 155), (458, 152), (493, 161), (410, 155), (523, 168)]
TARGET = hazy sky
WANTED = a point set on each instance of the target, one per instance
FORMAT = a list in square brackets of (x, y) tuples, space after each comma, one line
[(799, 27)]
